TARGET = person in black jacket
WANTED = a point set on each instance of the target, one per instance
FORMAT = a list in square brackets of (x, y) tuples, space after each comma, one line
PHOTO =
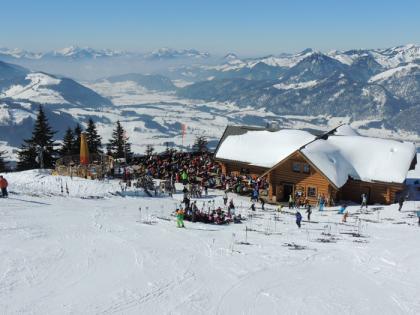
[(309, 211)]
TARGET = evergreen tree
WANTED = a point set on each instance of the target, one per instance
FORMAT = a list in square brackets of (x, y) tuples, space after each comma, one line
[(200, 144), (149, 150), (3, 164), (118, 145), (67, 148), (41, 141), (76, 141), (94, 140)]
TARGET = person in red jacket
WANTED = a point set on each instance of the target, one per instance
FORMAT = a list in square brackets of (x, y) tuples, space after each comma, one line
[(3, 186)]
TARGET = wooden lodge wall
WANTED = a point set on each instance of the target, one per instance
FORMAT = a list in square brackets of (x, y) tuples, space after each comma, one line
[(235, 168), (283, 175), (384, 193)]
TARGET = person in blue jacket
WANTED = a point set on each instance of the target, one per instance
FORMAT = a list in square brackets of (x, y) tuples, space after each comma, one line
[(342, 209), (298, 218)]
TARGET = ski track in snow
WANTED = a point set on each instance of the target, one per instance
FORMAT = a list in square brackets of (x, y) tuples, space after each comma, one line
[(67, 255)]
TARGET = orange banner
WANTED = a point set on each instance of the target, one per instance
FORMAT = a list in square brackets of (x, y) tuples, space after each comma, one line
[(84, 151)]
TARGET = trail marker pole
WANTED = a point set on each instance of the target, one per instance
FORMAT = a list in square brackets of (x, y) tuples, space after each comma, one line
[(246, 234)]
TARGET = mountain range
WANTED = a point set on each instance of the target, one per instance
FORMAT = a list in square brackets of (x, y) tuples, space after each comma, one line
[(73, 53), (379, 84), (372, 88)]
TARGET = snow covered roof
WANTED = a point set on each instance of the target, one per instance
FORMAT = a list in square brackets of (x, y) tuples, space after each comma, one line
[(341, 154), (364, 158), (262, 147)]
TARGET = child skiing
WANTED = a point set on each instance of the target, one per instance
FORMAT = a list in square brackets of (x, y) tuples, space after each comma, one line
[(180, 218), (345, 216)]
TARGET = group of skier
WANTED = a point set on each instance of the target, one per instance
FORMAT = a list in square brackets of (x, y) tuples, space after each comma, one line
[(190, 211)]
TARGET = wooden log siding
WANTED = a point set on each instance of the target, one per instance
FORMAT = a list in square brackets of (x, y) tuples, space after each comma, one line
[(284, 174), (378, 192), (234, 167), (383, 193)]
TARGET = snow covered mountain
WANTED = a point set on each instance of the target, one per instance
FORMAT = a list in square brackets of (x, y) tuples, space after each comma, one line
[(78, 53), (379, 84), (22, 85), (73, 53), (376, 89), (22, 91), (169, 53)]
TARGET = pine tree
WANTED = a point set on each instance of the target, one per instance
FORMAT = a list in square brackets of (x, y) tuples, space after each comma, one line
[(41, 140), (118, 145), (149, 150), (67, 148), (94, 140), (200, 144), (3, 164), (76, 140)]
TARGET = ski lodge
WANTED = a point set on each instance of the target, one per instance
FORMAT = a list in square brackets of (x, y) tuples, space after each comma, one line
[(339, 164)]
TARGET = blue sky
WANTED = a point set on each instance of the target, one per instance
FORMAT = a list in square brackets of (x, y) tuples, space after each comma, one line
[(244, 27)]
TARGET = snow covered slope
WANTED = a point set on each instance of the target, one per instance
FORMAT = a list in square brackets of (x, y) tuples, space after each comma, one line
[(36, 90), (41, 183), (66, 255)]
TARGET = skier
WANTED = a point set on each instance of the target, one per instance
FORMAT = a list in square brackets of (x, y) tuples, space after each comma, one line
[(262, 203), (254, 195), (3, 186), (291, 201), (321, 203), (184, 177), (345, 216), (298, 219), (180, 218), (342, 209), (418, 216), (364, 202), (253, 206), (309, 211), (225, 199), (231, 205), (401, 202)]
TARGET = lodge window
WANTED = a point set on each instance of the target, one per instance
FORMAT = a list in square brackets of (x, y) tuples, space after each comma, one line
[(296, 167), (311, 191), (306, 168)]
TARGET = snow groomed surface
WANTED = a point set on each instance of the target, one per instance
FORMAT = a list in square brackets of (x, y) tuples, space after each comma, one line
[(69, 255)]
